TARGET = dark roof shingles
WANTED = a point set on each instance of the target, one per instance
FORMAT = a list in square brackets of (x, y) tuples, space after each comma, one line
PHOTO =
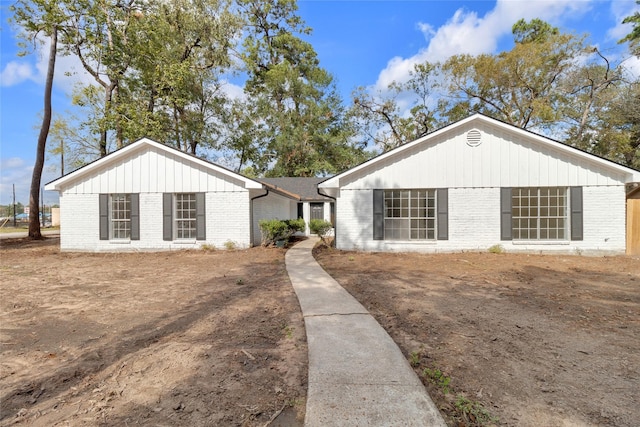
[(306, 188)]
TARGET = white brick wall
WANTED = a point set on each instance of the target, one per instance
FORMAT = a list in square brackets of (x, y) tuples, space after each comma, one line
[(474, 223), (79, 228), (227, 220)]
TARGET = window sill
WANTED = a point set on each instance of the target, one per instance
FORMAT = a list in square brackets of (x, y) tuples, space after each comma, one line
[(185, 242), (120, 242), (410, 242), (541, 242)]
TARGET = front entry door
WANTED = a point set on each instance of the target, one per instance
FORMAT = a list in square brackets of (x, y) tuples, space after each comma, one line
[(317, 210)]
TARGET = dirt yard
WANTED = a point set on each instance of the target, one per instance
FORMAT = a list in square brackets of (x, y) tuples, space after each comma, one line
[(529, 340), (172, 338)]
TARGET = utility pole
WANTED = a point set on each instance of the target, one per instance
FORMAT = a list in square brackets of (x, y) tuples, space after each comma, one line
[(14, 206)]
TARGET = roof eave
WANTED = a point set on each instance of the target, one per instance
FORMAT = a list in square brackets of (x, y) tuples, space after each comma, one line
[(632, 174), (59, 183)]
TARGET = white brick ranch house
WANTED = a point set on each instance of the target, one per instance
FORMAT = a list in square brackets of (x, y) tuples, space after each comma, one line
[(148, 196), (478, 183), (469, 186)]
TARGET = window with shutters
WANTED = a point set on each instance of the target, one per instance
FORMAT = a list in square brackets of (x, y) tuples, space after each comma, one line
[(539, 213), (185, 216), (120, 216), (409, 214)]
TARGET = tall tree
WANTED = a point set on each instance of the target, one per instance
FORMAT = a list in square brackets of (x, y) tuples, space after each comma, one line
[(549, 82), (37, 17), (306, 132), (101, 39), (633, 38), (520, 86), (400, 114), (186, 51)]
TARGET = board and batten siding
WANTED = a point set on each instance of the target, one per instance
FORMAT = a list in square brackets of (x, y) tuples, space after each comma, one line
[(152, 171), (474, 177), (449, 162)]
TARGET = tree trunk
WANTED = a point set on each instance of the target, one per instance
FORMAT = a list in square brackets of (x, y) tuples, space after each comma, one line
[(34, 197), (115, 101), (108, 90)]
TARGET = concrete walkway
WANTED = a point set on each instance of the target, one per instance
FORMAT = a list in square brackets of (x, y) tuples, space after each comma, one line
[(357, 374)]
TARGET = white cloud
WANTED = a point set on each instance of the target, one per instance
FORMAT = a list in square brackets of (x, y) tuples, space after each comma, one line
[(632, 65), (11, 163), (232, 90), (466, 32), (426, 29), (15, 73), (619, 11), (69, 70)]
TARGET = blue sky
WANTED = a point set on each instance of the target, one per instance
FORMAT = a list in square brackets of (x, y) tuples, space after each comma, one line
[(362, 43)]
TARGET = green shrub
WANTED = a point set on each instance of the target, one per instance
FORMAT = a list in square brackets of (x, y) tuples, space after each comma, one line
[(496, 249), (320, 227), (295, 224), (274, 230)]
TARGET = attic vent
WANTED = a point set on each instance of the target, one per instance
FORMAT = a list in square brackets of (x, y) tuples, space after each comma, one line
[(474, 138)]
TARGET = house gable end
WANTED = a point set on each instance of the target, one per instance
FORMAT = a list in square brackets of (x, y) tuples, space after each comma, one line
[(482, 152), (147, 166)]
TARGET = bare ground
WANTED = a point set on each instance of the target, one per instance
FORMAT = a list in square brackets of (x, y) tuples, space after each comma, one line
[(217, 338), (535, 340), (171, 338)]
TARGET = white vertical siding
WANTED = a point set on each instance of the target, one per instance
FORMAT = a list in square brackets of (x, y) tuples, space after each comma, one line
[(448, 161), (148, 171)]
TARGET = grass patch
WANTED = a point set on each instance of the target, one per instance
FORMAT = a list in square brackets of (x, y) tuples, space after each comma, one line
[(465, 412), (473, 413)]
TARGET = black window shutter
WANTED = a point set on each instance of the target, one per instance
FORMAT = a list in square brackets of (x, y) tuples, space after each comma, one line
[(103, 204), (378, 214), (576, 213), (506, 229), (442, 195), (135, 216), (201, 229), (167, 216)]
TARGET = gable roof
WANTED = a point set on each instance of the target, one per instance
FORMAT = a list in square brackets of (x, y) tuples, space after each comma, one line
[(305, 188), (59, 183), (334, 182)]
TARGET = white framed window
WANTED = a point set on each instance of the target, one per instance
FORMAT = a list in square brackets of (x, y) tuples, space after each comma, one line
[(120, 216), (540, 213), (185, 216), (410, 214)]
